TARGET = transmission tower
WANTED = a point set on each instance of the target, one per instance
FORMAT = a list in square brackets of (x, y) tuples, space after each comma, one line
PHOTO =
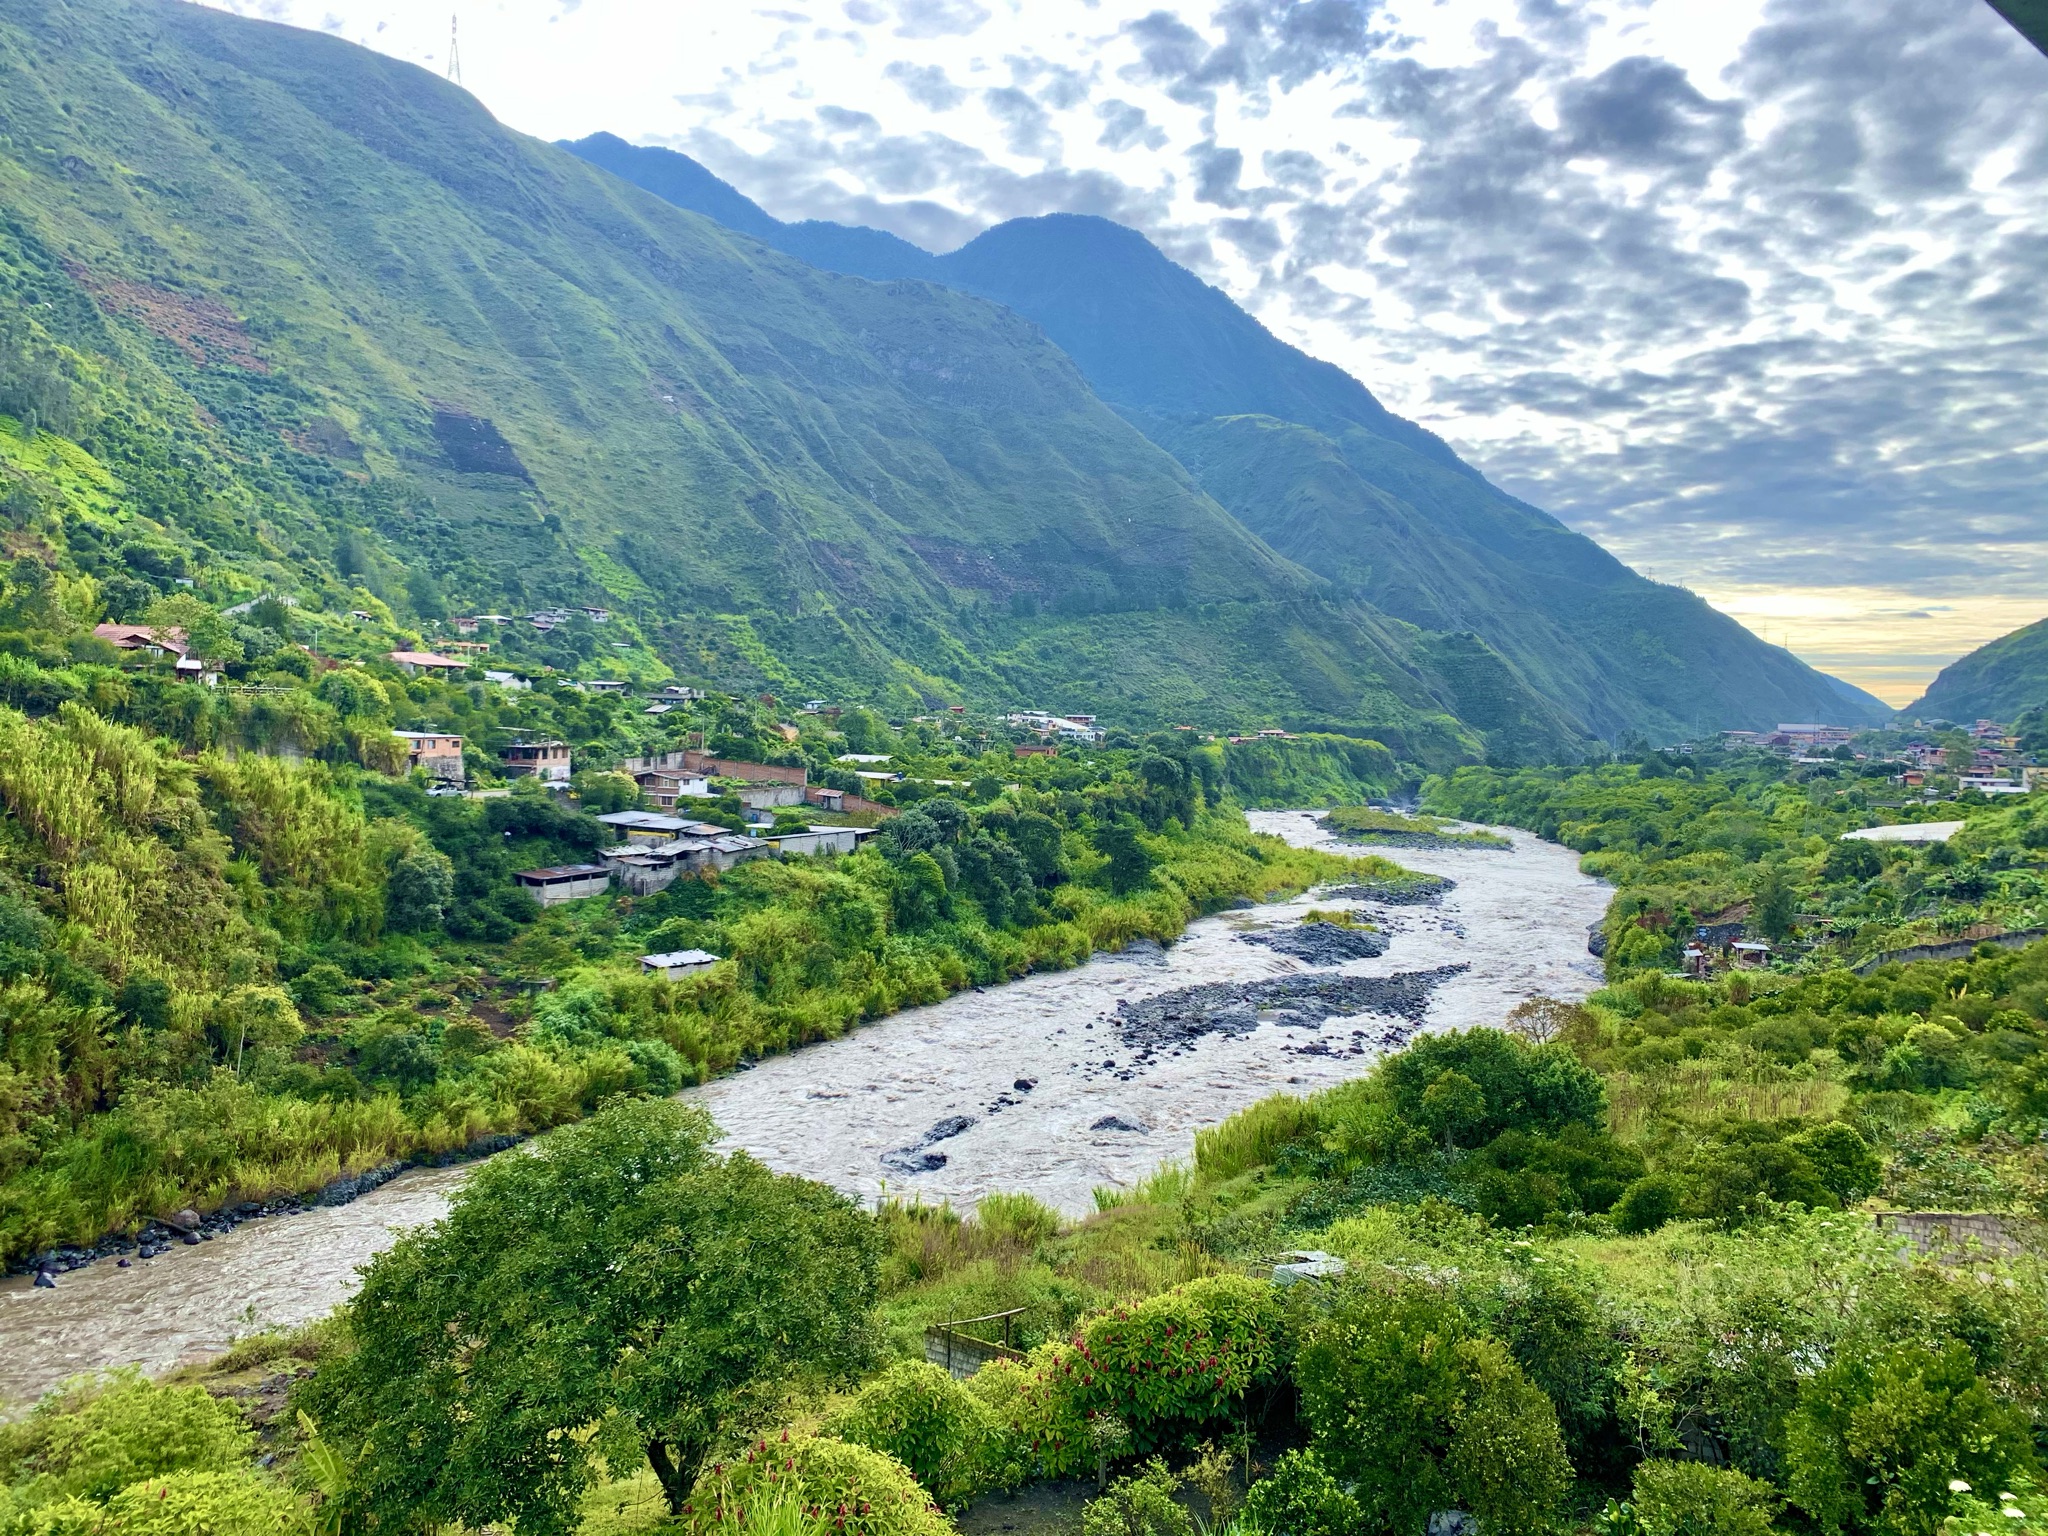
[(454, 54)]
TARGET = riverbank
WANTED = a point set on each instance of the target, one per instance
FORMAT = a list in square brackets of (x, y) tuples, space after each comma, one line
[(1097, 1111)]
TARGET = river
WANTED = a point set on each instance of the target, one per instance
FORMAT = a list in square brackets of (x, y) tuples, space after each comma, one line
[(930, 1103)]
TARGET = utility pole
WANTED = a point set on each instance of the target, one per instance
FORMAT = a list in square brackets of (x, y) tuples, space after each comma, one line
[(454, 53)]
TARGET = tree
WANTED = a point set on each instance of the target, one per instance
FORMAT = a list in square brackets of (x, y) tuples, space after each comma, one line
[(1883, 1442), (1772, 907), (419, 892), (1130, 865), (622, 1271), (1452, 1106)]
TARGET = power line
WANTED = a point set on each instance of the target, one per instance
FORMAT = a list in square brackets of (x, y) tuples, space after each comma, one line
[(454, 54)]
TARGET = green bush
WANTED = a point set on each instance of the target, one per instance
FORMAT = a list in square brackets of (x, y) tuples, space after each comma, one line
[(1300, 1498), (1879, 1441), (1183, 1358), (206, 1504), (1648, 1203), (1687, 1498), (1140, 1505), (860, 1491), (1417, 1414), (1039, 1412), (921, 1416), (94, 1441)]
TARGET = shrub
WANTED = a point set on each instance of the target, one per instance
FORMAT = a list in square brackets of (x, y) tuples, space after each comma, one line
[(1418, 1415), (1182, 1358), (1648, 1203), (93, 1442), (1687, 1498), (1140, 1505), (1878, 1443), (1038, 1413), (860, 1491), (1300, 1498), (206, 1504), (921, 1416)]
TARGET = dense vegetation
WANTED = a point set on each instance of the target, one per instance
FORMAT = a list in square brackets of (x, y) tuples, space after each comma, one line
[(1519, 1334), (226, 974), (1750, 840)]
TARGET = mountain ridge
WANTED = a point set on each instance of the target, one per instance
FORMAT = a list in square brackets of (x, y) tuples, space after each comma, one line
[(2000, 680), (1180, 360), (425, 360)]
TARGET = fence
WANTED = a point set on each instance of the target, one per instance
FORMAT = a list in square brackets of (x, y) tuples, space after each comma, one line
[(962, 1353)]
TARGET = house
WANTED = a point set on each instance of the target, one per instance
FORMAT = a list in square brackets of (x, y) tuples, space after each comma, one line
[(605, 685), (598, 615), (466, 648), (192, 670), (816, 840), (868, 759), (510, 680), (681, 695), (547, 761), (439, 753), (651, 827), (467, 626), (678, 963), (825, 799), (645, 868), (415, 662), (879, 778), (658, 707), (665, 786), (140, 637), (565, 882), (1034, 749), (1750, 953)]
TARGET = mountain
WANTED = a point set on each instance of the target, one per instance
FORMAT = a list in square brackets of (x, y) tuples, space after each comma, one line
[(335, 332), (2028, 17), (1999, 681), (1307, 459)]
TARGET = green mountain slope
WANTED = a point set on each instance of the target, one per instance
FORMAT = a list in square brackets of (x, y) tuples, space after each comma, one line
[(1447, 553), (1999, 681), (2029, 19), (1309, 460), (401, 347)]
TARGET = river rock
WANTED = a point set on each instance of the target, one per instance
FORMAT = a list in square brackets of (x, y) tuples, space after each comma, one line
[(1412, 891), (1176, 1018), (917, 1158), (45, 1281), (1322, 943), (1118, 1123), (186, 1220)]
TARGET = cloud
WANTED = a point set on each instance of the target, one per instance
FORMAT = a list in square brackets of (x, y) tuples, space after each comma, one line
[(1027, 126), (1125, 126), (939, 18), (926, 84)]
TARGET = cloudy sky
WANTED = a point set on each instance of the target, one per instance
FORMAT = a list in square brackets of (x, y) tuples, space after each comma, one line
[(1749, 290)]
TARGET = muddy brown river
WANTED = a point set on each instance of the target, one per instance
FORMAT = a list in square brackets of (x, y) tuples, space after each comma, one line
[(931, 1103)]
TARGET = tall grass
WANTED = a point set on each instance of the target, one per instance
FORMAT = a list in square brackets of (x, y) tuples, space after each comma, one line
[(1252, 1137)]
